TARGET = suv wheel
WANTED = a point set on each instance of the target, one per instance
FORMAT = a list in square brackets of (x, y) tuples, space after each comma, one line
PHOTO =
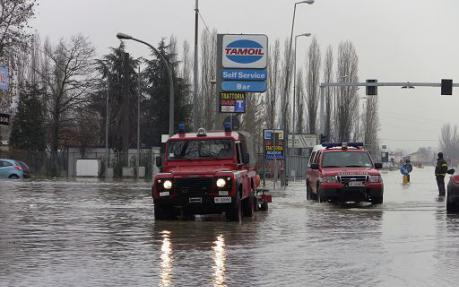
[(308, 191), (451, 207), (14, 176), (318, 195), (377, 200)]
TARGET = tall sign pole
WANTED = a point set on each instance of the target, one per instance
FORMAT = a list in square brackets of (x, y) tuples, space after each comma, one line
[(195, 67)]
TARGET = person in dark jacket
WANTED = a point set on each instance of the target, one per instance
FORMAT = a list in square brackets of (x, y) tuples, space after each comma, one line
[(440, 172)]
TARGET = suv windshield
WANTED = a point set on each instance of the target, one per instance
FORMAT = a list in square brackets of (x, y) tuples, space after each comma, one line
[(346, 159), (199, 149)]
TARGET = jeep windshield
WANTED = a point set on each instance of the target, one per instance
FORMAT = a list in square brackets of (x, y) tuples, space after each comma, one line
[(200, 149), (346, 159)]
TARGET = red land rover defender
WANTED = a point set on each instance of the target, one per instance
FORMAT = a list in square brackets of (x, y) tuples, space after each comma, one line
[(343, 172), (208, 172)]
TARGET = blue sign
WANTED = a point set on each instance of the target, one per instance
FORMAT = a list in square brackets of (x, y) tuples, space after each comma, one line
[(239, 107), (244, 51), (244, 86), (4, 78), (244, 75)]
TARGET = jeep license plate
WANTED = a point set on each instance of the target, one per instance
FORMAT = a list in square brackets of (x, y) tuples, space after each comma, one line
[(355, 183), (222, 199)]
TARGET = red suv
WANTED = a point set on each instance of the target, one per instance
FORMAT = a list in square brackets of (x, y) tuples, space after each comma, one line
[(343, 172)]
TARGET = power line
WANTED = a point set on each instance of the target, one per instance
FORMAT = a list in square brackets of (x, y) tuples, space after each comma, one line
[(203, 21), (410, 140)]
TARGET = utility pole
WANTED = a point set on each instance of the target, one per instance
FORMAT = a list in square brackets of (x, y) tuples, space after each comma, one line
[(195, 67), (137, 164)]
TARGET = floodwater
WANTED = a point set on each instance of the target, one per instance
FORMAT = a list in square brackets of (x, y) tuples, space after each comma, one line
[(82, 233)]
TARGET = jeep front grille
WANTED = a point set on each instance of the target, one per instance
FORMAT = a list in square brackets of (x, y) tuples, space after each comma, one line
[(194, 184)]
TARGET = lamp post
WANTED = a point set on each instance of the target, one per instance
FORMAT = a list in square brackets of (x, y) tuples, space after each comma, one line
[(138, 122), (287, 78), (294, 86), (123, 36)]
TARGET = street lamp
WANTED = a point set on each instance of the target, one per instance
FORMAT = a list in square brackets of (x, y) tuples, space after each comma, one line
[(294, 86), (123, 36), (287, 78)]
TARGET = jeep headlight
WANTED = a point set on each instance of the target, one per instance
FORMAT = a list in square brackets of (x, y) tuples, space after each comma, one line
[(221, 183), (329, 179), (374, 178), (167, 184)]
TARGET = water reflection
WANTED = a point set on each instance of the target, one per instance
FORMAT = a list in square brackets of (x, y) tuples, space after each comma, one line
[(166, 259), (219, 260)]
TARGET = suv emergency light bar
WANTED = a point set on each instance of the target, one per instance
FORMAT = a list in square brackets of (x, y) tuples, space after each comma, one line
[(343, 145)]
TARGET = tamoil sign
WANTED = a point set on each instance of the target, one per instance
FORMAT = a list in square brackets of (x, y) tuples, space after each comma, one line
[(244, 51)]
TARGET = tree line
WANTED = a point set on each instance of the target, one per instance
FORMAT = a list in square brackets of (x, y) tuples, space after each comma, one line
[(61, 92)]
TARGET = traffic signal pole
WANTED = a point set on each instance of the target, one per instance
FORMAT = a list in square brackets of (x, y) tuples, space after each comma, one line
[(370, 84)]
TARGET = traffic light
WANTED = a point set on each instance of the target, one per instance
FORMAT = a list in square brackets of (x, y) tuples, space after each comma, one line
[(446, 87), (372, 90)]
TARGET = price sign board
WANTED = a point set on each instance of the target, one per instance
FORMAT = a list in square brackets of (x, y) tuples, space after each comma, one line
[(274, 143)]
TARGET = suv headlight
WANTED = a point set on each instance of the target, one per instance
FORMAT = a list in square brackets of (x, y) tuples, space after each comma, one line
[(329, 179), (374, 178), (167, 184), (221, 183)]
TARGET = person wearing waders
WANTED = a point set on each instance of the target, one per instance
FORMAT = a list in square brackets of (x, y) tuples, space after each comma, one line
[(440, 172)]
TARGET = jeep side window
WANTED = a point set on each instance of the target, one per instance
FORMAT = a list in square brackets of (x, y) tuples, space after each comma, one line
[(239, 153)]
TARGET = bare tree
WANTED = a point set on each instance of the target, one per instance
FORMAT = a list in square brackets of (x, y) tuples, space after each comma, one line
[(287, 64), (14, 15), (347, 100), (449, 141), (252, 120), (186, 64), (207, 103), (328, 78), (273, 85), (300, 100), (68, 82), (312, 87), (370, 124)]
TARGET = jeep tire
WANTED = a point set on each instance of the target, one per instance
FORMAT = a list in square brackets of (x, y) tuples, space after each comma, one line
[(164, 212), (248, 206), (234, 212)]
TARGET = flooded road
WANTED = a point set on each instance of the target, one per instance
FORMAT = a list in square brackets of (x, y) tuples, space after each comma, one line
[(104, 234)]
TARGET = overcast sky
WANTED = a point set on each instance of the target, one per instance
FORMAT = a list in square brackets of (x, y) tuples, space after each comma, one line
[(396, 40)]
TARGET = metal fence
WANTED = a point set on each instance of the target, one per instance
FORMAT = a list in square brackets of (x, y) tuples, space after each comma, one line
[(296, 167), (41, 163), (63, 163)]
